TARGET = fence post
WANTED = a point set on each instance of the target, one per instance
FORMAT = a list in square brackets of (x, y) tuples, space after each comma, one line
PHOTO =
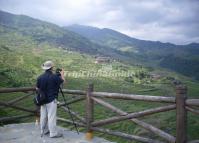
[(181, 114), (89, 112), (37, 114)]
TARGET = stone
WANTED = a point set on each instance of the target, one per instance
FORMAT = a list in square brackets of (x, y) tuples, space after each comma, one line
[(30, 133)]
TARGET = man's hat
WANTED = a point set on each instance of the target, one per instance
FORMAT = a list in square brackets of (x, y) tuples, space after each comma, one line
[(47, 65)]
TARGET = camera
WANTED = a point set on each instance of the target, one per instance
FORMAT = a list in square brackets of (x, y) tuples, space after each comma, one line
[(57, 71)]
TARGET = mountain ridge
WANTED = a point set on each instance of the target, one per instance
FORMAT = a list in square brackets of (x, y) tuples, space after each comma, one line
[(150, 53), (73, 26), (44, 31), (106, 42)]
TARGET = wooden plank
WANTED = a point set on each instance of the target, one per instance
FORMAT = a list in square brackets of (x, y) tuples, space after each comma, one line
[(192, 102), (194, 141), (71, 122), (5, 119), (181, 114), (25, 89), (79, 92), (21, 89), (146, 126), (72, 101), (118, 134), (192, 110), (17, 99), (14, 101), (16, 107), (74, 114), (126, 136), (134, 97), (134, 115)]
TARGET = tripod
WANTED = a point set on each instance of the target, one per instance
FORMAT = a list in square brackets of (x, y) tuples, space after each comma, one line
[(71, 116)]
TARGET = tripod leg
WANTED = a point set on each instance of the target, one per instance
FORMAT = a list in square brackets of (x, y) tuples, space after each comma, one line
[(70, 114)]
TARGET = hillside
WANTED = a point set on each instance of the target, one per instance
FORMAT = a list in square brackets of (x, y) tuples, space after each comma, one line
[(28, 42), (41, 31), (94, 41), (24, 47), (146, 52)]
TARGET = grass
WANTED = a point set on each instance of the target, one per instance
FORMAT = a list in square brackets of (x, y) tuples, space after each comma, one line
[(165, 121), (20, 66)]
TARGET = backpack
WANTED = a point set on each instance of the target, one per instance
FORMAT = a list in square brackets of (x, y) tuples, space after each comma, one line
[(40, 98)]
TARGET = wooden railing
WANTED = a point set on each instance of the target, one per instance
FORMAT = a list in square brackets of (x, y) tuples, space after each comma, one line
[(180, 103)]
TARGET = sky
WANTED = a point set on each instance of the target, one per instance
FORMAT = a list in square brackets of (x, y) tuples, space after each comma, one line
[(174, 21)]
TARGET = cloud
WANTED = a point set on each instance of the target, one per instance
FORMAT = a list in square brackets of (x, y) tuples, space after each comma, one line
[(159, 20)]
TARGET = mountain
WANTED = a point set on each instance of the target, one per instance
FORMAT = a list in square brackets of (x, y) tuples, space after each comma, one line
[(113, 38), (25, 43), (41, 31), (124, 43), (107, 42), (181, 58)]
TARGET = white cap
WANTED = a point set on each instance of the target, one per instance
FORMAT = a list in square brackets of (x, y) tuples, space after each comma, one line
[(47, 65)]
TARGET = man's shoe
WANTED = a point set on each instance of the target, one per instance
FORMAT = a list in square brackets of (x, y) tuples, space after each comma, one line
[(58, 135), (46, 133)]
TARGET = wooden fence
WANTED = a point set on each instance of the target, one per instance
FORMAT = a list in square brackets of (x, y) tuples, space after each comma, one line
[(180, 103)]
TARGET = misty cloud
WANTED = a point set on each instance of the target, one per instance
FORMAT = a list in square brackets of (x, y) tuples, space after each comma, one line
[(159, 20)]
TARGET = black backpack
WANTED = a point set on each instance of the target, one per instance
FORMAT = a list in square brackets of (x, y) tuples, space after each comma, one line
[(41, 98)]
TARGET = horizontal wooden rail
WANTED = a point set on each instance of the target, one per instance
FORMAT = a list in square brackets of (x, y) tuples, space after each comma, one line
[(133, 115), (26, 89), (79, 92), (194, 141), (134, 97), (21, 89), (179, 102), (107, 131), (5, 119), (192, 102), (146, 126), (126, 136)]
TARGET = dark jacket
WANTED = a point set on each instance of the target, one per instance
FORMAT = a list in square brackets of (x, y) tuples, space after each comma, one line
[(49, 83)]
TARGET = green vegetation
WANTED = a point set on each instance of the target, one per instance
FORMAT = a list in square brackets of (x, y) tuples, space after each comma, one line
[(24, 50), (180, 58), (182, 65)]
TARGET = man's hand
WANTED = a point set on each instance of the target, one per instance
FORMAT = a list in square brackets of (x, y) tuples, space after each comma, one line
[(62, 74), (58, 103)]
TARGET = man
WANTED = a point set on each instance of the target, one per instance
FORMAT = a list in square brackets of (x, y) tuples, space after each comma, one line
[(49, 83)]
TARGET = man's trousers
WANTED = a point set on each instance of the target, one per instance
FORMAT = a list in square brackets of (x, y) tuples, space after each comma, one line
[(48, 119)]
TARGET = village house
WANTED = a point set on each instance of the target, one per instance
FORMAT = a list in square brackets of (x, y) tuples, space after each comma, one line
[(102, 60)]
